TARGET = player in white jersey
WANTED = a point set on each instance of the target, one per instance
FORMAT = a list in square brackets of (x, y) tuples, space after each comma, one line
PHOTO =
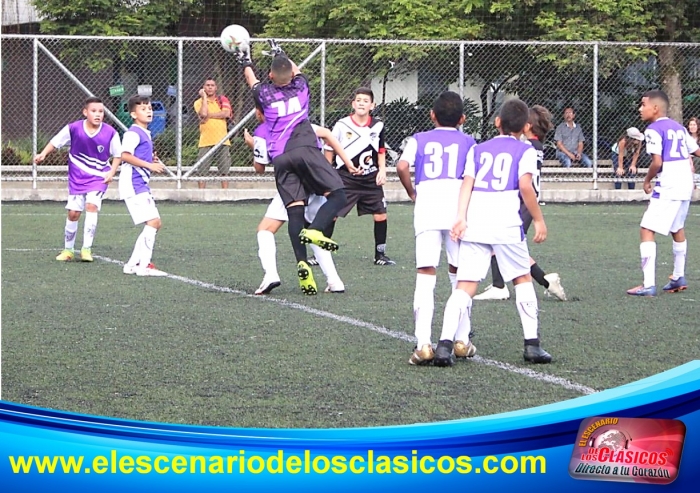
[(497, 174), (276, 216), (670, 147), (439, 157)]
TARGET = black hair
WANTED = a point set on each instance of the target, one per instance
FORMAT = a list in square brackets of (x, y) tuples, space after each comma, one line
[(448, 109), (134, 101), (657, 94), (92, 99), (541, 121), (364, 90), (281, 65), (514, 115)]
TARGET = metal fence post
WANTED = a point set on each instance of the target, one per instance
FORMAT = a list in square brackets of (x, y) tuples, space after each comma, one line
[(178, 137), (595, 116), (35, 107), (323, 84)]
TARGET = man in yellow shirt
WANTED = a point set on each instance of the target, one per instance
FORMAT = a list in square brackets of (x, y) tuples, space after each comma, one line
[(213, 113)]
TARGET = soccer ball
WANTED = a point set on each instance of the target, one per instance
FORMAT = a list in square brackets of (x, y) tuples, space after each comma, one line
[(235, 38)]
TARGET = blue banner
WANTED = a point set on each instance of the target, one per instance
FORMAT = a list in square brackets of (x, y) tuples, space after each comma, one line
[(46, 450)]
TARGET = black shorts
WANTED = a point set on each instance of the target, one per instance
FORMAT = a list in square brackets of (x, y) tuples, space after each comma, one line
[(525, 216), (369, 200), (302, 171)]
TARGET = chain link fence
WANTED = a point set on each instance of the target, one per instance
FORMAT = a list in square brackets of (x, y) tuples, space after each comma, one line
[(47, 79)]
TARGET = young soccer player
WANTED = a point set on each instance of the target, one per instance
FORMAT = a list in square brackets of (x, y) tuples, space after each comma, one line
[(670, 147), (539, 124), (362, 137), (139, 162), (91, 142), (299, 168), (488, 222), (439, 157), (276, 216)]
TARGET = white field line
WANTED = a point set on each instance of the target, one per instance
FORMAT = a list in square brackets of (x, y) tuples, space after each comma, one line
[(536, 375)]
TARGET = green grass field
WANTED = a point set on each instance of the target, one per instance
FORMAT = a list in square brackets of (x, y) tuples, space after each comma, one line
[(197, 348)]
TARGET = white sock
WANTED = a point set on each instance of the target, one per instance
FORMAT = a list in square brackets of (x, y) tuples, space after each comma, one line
[(89, 229), (465, 323), (149, 240), (136, 253), (325, 262), (679, 252), (453, 279), (458, 306), (424, 307), (647, 251), (69, 234), (267, 251), (526, 301)]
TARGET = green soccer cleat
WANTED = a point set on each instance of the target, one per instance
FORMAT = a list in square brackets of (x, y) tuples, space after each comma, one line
[(86, 254), (317, 238), (306, 279), (65, 256)]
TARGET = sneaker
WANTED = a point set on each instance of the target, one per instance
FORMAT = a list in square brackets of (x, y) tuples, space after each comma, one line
[(65, 256), (382, 259), (267, 285), (443, 354), (130, 269), (150, 271), (463, 350), (676, 285), (306, 279), (493, 293), (317, 238), (535, 354), (335, 287), (312, 261), (86, 254), (555, 288), (422, 356), (642, 291)]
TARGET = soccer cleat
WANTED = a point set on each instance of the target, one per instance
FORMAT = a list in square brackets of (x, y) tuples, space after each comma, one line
[(150, 271), (335, 287), (463, 350), (443, 354), (382, 259), (317, 238), (306, 279), (535, 354), (493, 293), (642, 291), (86, 254), (555, 288), (268, 285), (676, 285), (129, 269), (65, 256), (312, 261), (422, 356)]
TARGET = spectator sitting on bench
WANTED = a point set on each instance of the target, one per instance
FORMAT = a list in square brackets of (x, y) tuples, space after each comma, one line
[(569, 138), (625, 153)]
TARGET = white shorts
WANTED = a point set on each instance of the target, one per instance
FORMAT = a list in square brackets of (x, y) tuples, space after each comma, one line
[(77, 202), (475, 260), (429, 246), (276, 210), (665, 216), (142, 207)]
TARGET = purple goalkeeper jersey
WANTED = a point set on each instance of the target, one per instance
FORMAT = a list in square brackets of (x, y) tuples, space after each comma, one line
[(88, 158), (286, 110)]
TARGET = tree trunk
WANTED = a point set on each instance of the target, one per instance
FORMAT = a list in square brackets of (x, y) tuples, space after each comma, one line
[(669, 65)]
